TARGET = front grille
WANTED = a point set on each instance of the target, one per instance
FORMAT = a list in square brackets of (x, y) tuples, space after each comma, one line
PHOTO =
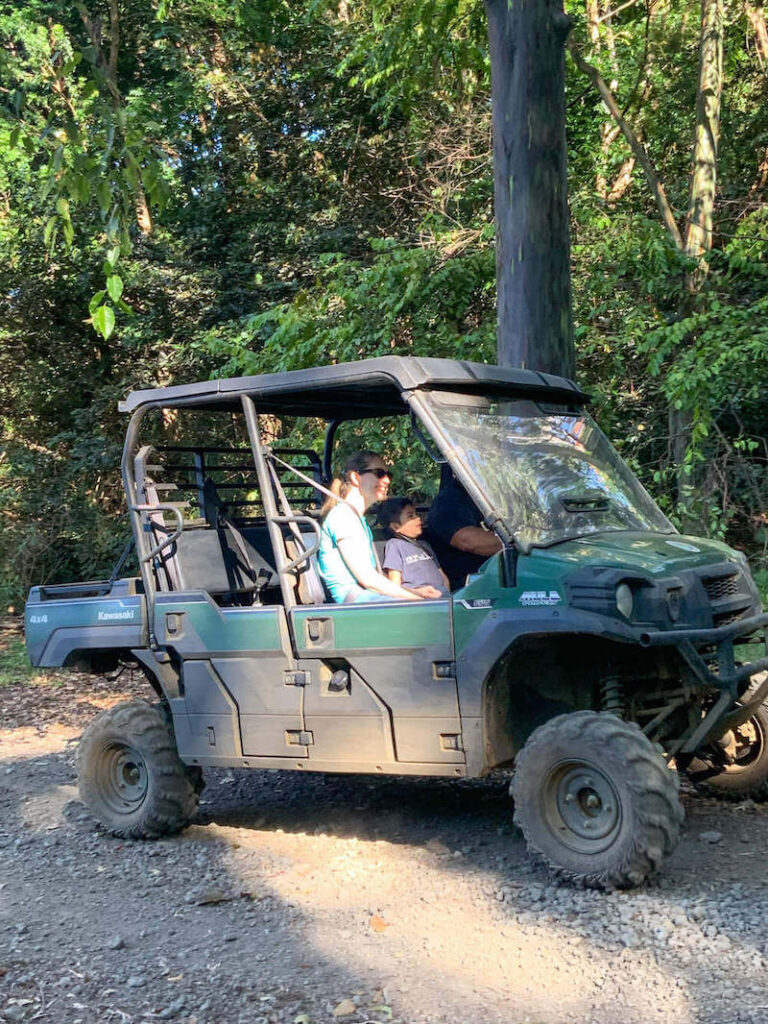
[(718, 587)]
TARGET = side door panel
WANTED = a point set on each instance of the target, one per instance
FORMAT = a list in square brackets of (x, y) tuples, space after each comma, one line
[(401, 701), (234, 671)]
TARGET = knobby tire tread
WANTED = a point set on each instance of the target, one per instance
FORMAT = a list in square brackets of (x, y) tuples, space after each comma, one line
[(173, 800), (659, 815)]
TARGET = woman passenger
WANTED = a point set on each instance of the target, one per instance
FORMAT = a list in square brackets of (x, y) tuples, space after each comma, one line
[(346, 557)]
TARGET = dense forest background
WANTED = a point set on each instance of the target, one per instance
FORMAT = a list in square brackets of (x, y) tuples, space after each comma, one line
[(208, 187)]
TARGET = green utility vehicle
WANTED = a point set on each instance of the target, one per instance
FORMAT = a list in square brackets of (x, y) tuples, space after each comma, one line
[(595, 653)]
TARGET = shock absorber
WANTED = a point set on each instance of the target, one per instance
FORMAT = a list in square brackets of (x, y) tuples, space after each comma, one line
[(612, 695)]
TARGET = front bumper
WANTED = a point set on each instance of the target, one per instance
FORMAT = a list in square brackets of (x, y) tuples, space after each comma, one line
[(722, 716)]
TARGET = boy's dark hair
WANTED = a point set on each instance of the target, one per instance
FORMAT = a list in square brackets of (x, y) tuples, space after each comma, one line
[(390, 511)]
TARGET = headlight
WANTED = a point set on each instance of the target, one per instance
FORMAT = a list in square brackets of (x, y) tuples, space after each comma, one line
[(625, 600)]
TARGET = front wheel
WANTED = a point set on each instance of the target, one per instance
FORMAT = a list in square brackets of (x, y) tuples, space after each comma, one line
[(130, 775), (595, 800)]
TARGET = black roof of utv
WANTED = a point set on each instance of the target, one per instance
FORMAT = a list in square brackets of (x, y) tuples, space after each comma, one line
[(371, 387)]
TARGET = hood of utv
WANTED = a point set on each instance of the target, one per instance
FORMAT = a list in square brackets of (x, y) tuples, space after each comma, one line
[(657, 554)]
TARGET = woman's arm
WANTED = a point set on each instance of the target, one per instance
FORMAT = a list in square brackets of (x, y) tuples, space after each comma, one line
[(368, 578)]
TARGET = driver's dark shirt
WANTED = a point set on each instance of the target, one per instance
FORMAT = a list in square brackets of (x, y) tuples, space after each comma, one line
[(452, 510)]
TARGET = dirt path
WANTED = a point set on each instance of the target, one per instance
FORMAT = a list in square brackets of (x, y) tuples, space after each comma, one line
[(312, 899)]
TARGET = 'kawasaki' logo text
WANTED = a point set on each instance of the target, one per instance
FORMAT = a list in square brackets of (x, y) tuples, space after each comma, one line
[(130, 613)]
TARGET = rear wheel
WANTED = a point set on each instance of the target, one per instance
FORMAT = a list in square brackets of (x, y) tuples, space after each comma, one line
[(595, 800), (130, 775), (746, 776)]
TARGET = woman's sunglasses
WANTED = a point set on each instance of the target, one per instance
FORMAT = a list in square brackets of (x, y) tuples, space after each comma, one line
[(379, 471)]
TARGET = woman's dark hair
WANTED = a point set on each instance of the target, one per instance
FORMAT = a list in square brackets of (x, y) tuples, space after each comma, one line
[(356, 463), (390, 511)]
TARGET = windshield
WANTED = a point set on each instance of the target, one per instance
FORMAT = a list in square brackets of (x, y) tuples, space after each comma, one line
[(550, 472)]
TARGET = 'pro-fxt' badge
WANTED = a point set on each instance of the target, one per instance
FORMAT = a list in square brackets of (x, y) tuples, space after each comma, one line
[(538, 598)]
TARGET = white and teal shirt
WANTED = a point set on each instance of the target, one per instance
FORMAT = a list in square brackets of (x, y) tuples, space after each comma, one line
[(343, 524)]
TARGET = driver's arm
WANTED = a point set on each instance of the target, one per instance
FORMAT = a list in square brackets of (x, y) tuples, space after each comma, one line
[(476, 540)]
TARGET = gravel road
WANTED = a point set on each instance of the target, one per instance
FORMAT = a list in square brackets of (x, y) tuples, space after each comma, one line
[(314, 899)]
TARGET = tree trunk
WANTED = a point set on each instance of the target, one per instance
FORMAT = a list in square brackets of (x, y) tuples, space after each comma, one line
[(701, 206), (535, 320), (698, 226), (756, 15)]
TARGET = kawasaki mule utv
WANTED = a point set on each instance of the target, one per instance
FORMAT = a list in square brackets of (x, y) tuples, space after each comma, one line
[(596, 652)]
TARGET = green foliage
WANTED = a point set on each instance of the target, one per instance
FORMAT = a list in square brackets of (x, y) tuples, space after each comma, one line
[(14, 663), (404, 300)]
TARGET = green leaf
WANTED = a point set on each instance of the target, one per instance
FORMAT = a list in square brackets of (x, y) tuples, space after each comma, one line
[(103, 197), (62, 207), (104, 321), (13, 138), (50, 227), (113, 224), (115, 287), (96, 301), (73, 133)]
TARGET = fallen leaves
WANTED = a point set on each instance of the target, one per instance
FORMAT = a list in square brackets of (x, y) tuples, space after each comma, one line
[(211, 896), (344, 1008), (378, 923)]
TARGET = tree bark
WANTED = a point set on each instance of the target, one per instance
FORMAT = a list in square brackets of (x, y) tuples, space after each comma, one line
[(701, 211), (756, 16), (534, 314), (701, 205)]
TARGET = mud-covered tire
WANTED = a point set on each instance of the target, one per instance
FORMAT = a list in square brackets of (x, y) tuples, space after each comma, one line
[(595, 800), (130, 775), (747, 777)]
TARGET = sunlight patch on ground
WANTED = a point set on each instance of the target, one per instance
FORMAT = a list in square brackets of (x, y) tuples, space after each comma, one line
[(29, 741), (448, 949)]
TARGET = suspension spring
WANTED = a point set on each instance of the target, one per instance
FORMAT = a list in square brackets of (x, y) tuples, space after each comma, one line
[(612, 696)]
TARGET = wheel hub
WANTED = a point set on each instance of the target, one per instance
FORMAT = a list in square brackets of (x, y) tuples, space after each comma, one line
[(123, 779), (583, 806), (743, 745)]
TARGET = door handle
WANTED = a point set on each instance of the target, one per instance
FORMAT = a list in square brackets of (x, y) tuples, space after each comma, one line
[(319, 632)]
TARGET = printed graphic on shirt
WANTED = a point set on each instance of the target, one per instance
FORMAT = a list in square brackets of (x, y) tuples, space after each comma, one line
[(419, 556)]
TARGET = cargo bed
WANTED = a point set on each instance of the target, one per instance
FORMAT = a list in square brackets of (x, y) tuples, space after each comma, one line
[(72, 619)]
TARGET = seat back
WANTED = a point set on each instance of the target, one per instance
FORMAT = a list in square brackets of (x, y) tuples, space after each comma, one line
[(164, 564), (308, 583), (211, 560), (209, 554), (310, 588)]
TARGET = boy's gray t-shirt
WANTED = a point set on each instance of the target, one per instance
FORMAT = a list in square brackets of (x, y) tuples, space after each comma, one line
[(416, 562)]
